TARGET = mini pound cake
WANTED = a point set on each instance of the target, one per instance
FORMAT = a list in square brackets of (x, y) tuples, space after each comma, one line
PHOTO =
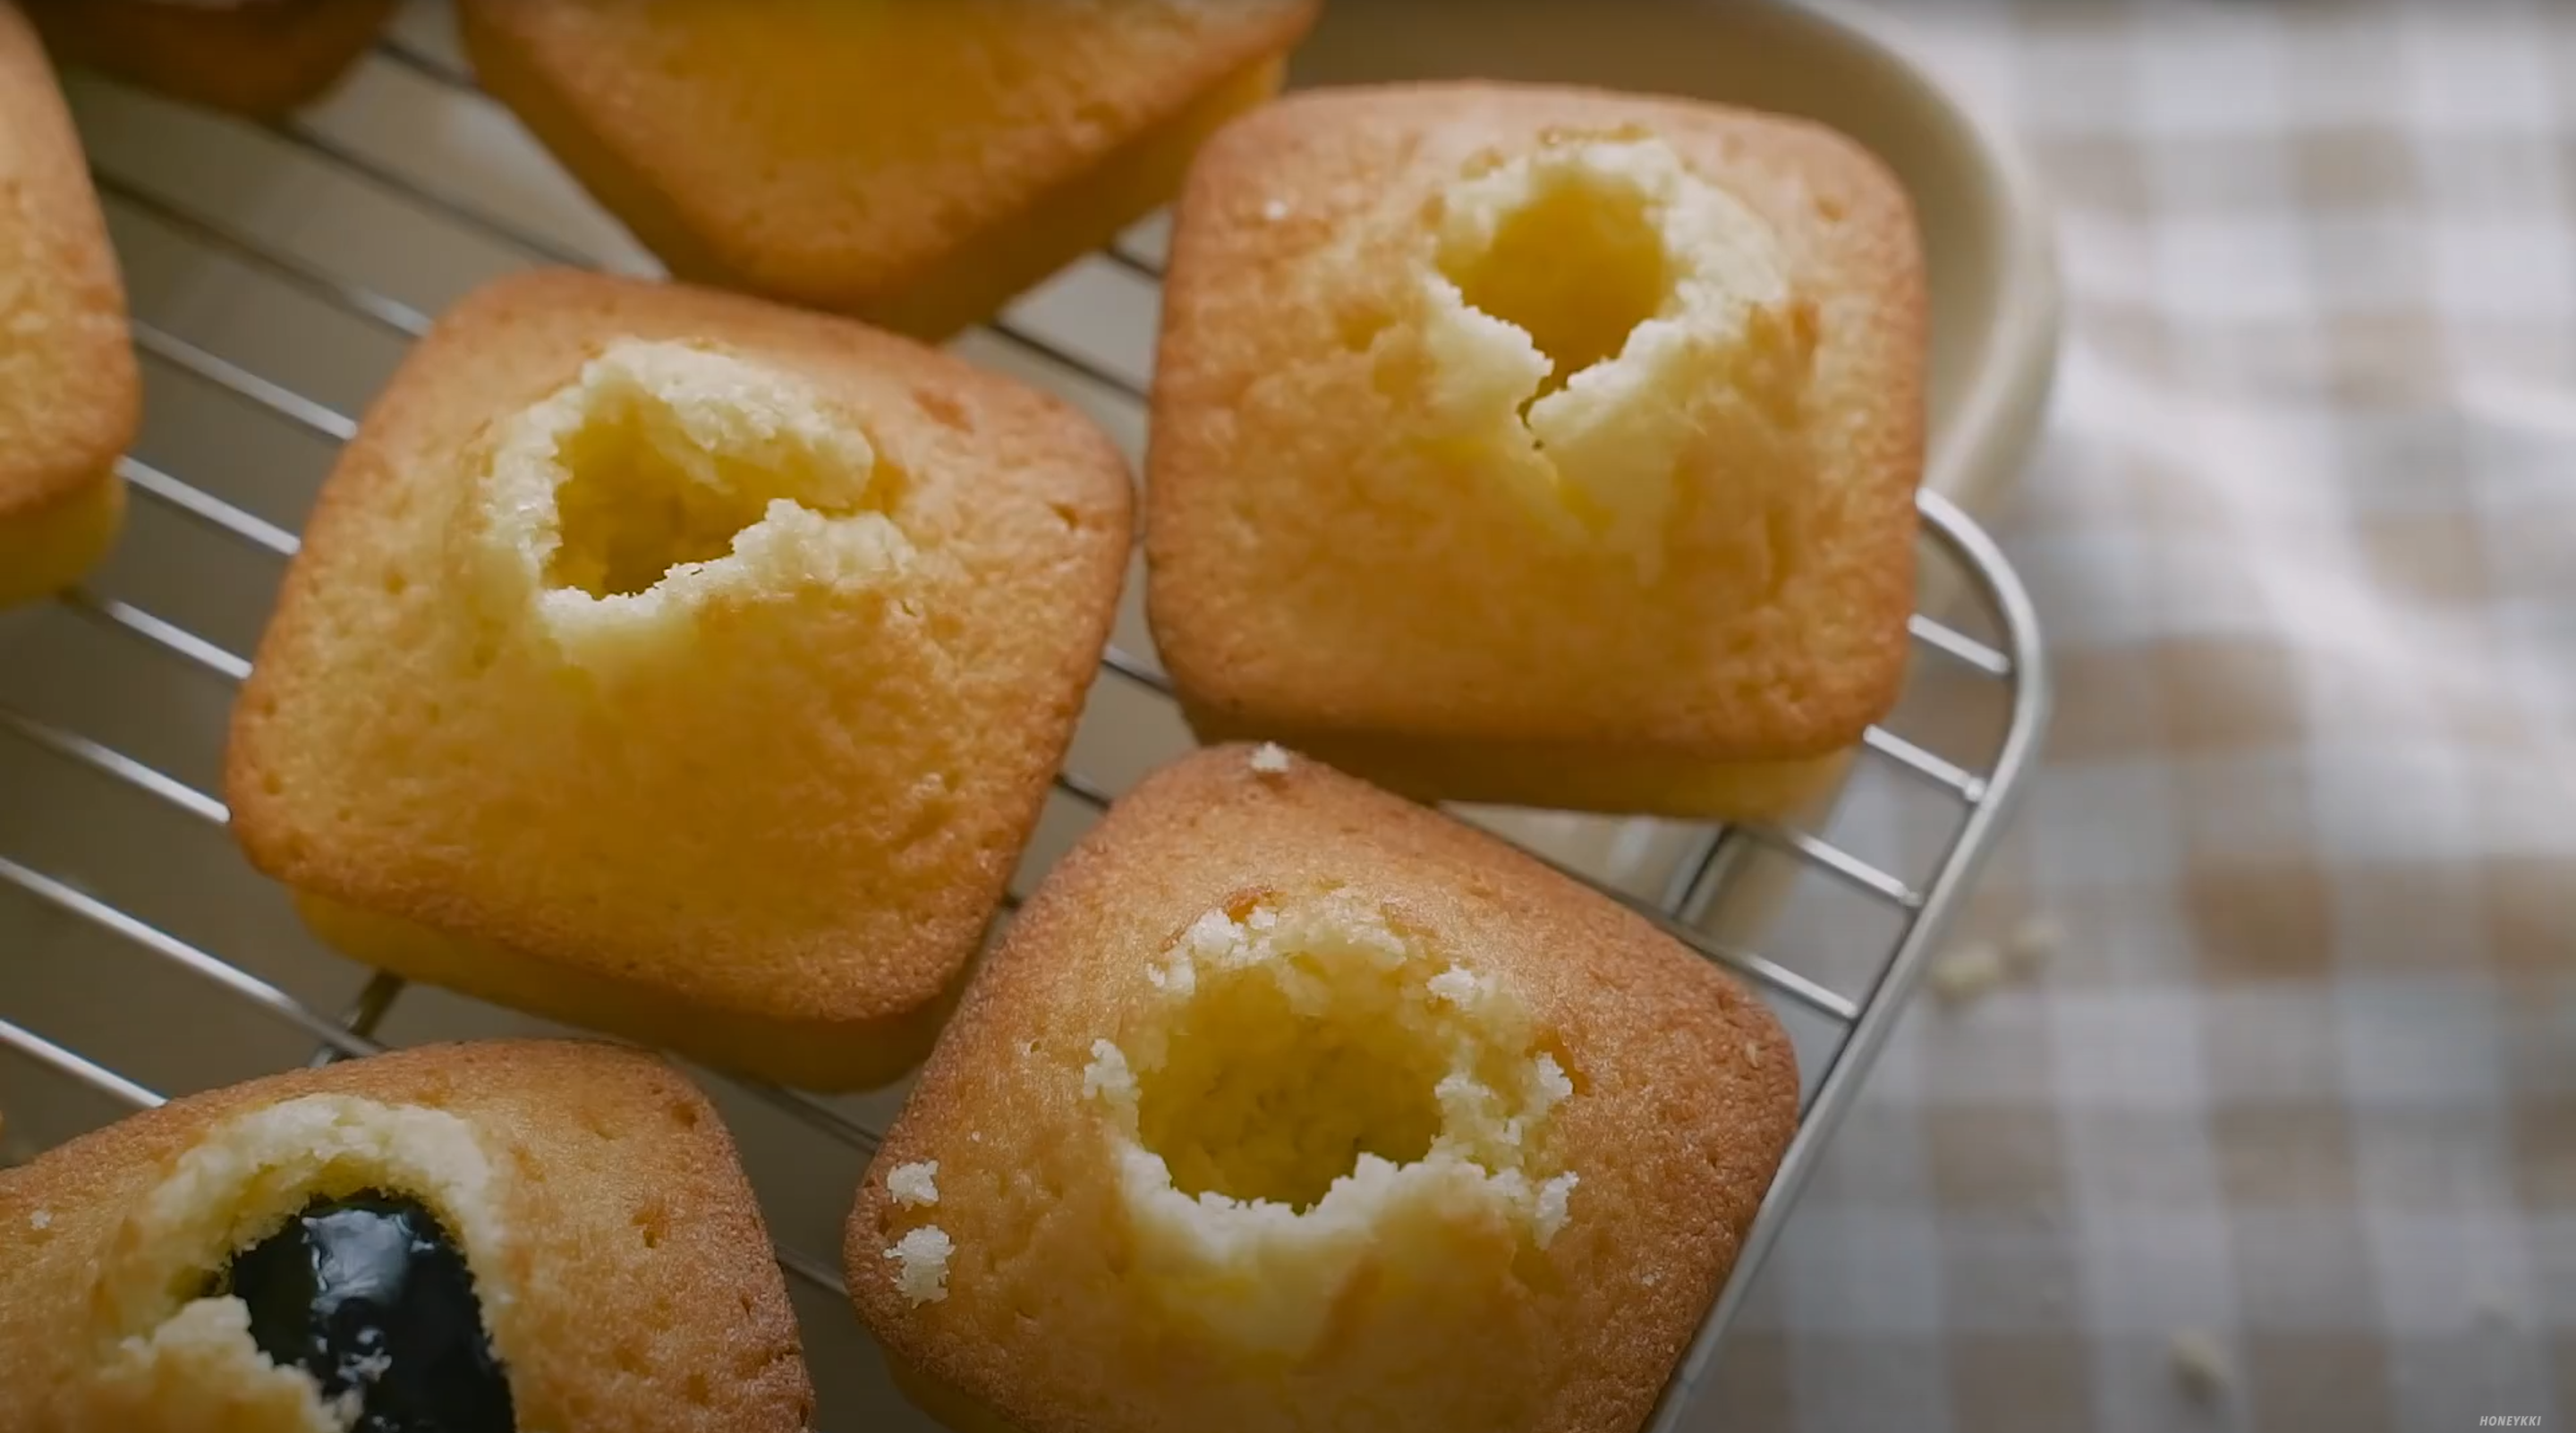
[(914, 165), (259, 58), (682, 666), (1289, 1105), (453, 1239), (69, 395), (1539, 446)]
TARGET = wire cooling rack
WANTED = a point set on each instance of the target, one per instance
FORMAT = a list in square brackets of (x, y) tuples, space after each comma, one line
[(1842, 1007)]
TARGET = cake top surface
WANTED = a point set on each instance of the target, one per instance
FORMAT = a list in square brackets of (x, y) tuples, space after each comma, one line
[(682, 638), (1535, 414), (69, 395), (1285, 1098)]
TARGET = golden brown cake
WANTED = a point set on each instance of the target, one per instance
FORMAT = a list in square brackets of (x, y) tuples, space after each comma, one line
[(1289, 1105), (682, 666), (1539, 446), (915, 165), (69, 396), (261, 58), (553, 1228)]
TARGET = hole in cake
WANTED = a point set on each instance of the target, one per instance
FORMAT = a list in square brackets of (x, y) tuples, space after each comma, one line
[(1605, 330), (630, 514), (1305, 1076), (1263, 1097), (645, 493), (1577, 264), (667, 476)]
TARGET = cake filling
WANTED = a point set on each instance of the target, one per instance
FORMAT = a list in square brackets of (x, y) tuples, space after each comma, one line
[(1603, 325), (1310, 1082), (369, 1295), (669, 478), (272, 1280)]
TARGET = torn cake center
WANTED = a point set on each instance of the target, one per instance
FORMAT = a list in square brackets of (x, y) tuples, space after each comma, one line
[(667, 480), (1305, 1075), (1576, 261), (663, 455), (1603, 328), (1272, 1088)]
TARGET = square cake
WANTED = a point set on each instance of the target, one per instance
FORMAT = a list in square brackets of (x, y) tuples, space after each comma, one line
[(1290, 1105), (682, 666), (1539, 446)]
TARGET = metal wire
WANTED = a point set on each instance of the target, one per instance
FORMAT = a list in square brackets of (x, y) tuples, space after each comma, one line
[(1862, 1018)]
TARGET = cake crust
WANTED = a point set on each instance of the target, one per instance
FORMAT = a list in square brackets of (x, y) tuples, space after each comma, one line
[(771, 840), (915, 166), (1324, 563), (632, 1272), (1679, 1098), (263, 59), (69, 395)]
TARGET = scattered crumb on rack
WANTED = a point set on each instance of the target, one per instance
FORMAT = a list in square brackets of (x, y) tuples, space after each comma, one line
[(2200, 1365), (1965, 972), (2032, 944), (1972, 968)]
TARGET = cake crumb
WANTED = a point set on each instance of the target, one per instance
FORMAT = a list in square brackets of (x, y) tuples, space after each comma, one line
[(1555, 1086), (1456, 985), (2199, 1365), (922, 1264), (2032, 944), (1108, 1073), (1270, 759), (914, 1185), (41, 1219), (1969, 971), (1552, 1199)]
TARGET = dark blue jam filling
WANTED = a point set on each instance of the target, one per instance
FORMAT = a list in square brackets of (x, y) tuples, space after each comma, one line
[(369, 1294)]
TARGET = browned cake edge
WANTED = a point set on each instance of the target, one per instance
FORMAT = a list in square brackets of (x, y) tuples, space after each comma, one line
[(930, 295), (262, 60), (56, 202)]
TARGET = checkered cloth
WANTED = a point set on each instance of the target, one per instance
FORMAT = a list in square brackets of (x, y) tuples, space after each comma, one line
[(2284, 1136)]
